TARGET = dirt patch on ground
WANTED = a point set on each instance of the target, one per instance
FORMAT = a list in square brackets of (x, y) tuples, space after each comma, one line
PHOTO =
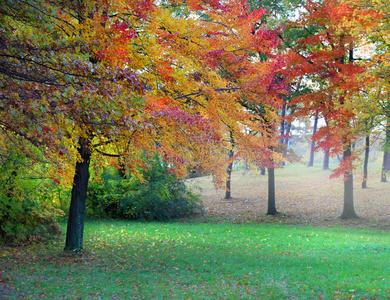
[(303, 197)]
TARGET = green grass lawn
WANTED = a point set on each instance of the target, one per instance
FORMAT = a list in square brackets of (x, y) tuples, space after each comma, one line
[(132, 260)]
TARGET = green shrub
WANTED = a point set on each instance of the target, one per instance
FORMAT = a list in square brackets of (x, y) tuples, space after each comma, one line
[(23, 218), (27, 222), (162, 197)]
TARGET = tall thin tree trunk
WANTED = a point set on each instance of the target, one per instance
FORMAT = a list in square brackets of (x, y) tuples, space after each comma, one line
[(288, 129), (348, 209), (325, 164), (386, 155), (271, 192), (283, 122), (313, 143), (75, 229), (229, 168), (365, 166), (282, 128), (228, 194), (384, 171)]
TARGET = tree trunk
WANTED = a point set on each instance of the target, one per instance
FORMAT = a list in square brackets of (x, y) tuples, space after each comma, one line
[(325, 164), (282, 128), (228, 181), (384, 171), (365, 166), (75, 229), (271, 192), (282, 122), (348, 210), (229, 168), (262, 172), (313, 143), (288, 129), (386, 155)]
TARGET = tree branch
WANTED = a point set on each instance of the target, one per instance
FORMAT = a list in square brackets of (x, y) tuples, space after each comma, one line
[(200, 92)]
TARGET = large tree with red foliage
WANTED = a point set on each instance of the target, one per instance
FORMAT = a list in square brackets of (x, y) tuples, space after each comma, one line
[(324, 56)]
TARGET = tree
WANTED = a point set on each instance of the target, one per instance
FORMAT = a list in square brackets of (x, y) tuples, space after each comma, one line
[(325, 56), (59, 90), (373, 22), (55, 94), (108, 79)]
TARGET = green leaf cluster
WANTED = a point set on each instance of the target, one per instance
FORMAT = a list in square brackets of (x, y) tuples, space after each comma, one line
[(24, 215), (159, 195)]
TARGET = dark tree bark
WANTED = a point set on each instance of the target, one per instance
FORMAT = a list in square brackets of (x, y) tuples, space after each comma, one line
[(365, 165), (271, 193), (228, 194), (348, 209), (313, 143), (325, 164), (229, 169), (75, 229), (262, 172)]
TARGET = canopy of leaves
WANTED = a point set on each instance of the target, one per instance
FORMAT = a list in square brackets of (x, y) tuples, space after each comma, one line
[(324, 56), (137, 76)]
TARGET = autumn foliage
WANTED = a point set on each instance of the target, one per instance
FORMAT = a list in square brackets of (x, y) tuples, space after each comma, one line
[(328, 56), (106, 81), (115, 79)]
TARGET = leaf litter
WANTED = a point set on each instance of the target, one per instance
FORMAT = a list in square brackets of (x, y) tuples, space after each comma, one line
[(303, 197)]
